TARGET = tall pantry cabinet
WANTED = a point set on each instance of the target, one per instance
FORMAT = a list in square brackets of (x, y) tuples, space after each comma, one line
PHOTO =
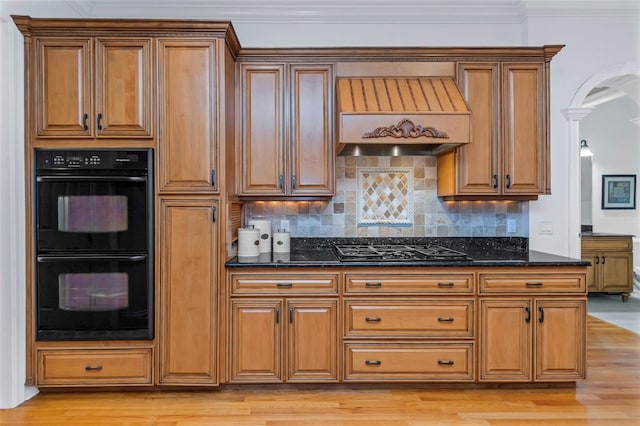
[(195, 76)]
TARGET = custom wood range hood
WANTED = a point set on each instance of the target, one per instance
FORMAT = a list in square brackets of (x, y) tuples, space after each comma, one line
[(400, 116)]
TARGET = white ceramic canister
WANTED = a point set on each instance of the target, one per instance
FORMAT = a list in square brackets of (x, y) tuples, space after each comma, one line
[(265, 233), (248, 242), (281, 241)]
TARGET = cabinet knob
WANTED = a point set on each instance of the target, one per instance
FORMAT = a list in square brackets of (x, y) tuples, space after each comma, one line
[(440, 362), (541, 310), (377, 362), (441, 319), (99, 121), (495, 181), (293, 182), (376, 319), (445, 284), (373, 284), (508, 180), (280, 181), (84, 121), (528, 311), (96, 368)]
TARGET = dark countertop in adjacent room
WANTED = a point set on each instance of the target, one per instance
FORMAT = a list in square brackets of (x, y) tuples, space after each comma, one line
[(484, 251)]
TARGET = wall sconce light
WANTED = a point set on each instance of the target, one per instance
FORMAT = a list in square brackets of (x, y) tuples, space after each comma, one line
[(584, 149)]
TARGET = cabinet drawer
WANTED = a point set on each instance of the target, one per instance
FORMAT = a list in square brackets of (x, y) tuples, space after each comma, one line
[(104, 367), (606, 243), (283, 284), (409, 362), (415, 284), (425, 318), (532, 283)]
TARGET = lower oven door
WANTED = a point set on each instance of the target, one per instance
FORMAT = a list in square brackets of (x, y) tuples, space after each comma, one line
[(94, 297)]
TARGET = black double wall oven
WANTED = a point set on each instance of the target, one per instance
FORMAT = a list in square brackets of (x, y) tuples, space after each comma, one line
[(94, 244)]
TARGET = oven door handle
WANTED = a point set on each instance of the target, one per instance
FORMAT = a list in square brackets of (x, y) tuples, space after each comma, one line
[(126, 258), (91, 178)]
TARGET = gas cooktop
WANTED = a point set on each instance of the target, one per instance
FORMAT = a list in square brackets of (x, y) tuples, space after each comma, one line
[(397, 253)]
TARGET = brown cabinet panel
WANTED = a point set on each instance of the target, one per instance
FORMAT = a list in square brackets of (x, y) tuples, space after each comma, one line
[(63, 87), (124, 97), (505, 340), (262, 129), (94, 367), (312, 152), (256, 340), (188, 291), (441, 361), (479, 163), (523, 128), (312, 340), (414, 284), (187, 87), (290, 284), (560, 336), (419, 318), (532, 283), (611, 267)]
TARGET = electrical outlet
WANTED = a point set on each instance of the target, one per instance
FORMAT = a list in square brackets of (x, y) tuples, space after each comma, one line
[(546, 228), (511, 226), (284, 224)]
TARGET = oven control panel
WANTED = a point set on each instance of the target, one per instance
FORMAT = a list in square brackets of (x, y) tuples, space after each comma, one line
[(47, 159)]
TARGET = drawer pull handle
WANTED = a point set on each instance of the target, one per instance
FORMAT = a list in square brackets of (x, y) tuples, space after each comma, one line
[(96, 368), (534, 284), (440, 362), (450, 319), (378, 362), (378, 284), (376, 319), (285, 284), (445, 284)]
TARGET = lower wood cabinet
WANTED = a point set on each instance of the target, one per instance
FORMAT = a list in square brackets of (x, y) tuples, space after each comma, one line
[(532, 339), (425, 361), (188, 291), (611, 258), (94, 367), (284, 340)]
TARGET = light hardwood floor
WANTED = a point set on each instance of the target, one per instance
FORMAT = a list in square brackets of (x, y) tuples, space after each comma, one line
[(610, 396)]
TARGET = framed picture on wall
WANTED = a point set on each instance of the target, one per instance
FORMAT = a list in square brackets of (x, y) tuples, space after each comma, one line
[(618, 192)]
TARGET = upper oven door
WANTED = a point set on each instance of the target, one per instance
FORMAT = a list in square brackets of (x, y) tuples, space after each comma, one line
[(92, 212)]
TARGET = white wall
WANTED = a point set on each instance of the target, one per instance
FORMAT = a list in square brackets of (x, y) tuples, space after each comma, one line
[(615, 143), (593, 41)]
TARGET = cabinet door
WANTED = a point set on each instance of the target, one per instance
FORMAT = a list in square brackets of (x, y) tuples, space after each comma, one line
[(311, 138), (479, 162), (505, 340), (560, 340), (188, 291), (593, 282), (63, 87), (312, 340), (523, 128), (262, 130), (616, 272), (187, 86), (124, 97), (256, 341)]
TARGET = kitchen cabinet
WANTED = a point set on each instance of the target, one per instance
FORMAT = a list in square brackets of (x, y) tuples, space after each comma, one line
[(533, 331), (611, 258), (188, 151), (94, 367), (428, 337), (286, 146), (283, 339), (188, 291), (94, 87), (508, 156)]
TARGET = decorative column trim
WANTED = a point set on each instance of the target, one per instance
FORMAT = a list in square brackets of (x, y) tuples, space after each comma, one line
[(576, 113)]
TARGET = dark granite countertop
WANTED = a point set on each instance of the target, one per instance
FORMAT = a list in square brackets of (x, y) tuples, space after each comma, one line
[(484, 251)]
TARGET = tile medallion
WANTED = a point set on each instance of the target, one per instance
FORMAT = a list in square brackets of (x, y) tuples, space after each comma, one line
[(385, 196)]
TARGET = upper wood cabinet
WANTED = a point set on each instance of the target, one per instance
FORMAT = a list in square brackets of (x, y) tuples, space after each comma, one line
[(188, 107), (94, 87), (507, 156), (286, 136)]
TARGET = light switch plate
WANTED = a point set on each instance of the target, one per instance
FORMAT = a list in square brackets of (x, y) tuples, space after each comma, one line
[(511, 226), (546, 228), (284, 224)]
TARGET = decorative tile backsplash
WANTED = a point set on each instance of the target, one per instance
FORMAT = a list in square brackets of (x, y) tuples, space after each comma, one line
[(384, 196), (432, 217)]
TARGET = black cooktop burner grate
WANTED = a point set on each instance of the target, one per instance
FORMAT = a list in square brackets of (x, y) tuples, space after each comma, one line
[(394, 252)]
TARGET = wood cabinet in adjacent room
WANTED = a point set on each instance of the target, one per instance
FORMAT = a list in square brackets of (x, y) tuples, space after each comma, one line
[(291, 338), (531, 332), (94, 87), (611, 258), (509, 153), (286, 130), (188, 295)]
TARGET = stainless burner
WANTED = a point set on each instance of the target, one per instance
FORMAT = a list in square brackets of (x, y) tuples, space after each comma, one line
[(399, 253)]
